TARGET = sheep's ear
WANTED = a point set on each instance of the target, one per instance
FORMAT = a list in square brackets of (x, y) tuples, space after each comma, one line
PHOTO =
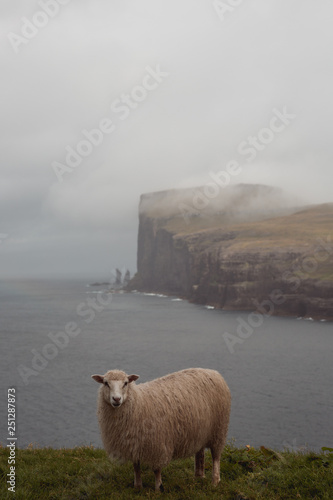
[(132, 378), (98, 378)]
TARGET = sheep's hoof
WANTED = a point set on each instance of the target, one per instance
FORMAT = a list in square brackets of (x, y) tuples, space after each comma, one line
[(199, 473), (162, 488)]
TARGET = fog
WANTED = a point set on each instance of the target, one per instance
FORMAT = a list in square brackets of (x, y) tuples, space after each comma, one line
[(103, 101)]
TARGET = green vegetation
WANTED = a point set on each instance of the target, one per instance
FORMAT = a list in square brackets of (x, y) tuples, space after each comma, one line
[(307, 232), (246, 474), (300, 228)]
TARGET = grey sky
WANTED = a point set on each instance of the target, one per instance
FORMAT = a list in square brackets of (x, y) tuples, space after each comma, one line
[(218, 78)]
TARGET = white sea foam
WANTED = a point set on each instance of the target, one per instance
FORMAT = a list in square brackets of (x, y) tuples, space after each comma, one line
[(160, 295)]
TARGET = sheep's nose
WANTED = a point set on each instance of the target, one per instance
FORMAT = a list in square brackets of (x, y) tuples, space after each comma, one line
[(116, 400)]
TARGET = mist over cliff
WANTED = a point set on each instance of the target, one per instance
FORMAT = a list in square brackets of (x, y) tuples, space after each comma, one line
[(238, 202), (245, 248)]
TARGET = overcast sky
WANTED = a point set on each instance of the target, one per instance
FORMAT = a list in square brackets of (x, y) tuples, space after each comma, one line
[(179, 88)]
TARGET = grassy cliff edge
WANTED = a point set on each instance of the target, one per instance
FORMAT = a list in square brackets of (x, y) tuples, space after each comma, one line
[(246, 474)]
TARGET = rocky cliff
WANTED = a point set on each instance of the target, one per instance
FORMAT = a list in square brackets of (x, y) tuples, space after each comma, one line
[(246, 249)]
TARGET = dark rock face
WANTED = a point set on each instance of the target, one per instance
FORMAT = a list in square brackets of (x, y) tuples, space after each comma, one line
[(163, 260), (282, 265), (263, 283)]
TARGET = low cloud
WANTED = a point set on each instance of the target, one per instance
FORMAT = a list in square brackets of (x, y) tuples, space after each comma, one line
[(224, 80)]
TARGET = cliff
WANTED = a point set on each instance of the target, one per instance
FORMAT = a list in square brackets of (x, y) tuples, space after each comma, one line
[(239, 251)]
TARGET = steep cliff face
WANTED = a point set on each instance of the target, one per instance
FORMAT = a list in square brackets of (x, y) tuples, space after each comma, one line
[(163, 260), (273, 263)]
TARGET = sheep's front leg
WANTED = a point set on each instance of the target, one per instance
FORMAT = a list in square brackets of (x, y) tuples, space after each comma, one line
[(200, 463), (158, 480), (216, 456), (137, 475)]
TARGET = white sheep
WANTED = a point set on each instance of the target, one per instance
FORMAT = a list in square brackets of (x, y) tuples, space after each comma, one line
[(175, 416)]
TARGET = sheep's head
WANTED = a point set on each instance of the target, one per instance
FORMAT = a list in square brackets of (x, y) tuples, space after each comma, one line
[(115, 386)]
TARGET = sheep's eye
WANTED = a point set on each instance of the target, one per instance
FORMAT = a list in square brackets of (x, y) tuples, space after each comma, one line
[(125, 384), (106, 384)]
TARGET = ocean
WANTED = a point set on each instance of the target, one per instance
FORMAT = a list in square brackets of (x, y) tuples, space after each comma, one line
[(56, 334)]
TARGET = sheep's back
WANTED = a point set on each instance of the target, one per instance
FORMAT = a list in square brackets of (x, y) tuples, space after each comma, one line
[(187, 410)]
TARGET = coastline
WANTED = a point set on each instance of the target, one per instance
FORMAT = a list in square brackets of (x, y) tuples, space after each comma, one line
[(214, 306)]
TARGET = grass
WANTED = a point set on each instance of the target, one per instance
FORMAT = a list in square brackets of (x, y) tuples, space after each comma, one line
[(301, 233), (246, 474), (301, 227)]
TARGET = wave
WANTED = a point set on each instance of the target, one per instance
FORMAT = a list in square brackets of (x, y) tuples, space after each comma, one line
[(160, 295)]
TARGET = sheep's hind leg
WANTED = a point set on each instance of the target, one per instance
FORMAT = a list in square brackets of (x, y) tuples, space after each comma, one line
[(216, 456), (137, 475), (158, 480), (200, 463)]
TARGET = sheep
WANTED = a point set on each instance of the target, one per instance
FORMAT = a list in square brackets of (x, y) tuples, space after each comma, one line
[(175, 416)]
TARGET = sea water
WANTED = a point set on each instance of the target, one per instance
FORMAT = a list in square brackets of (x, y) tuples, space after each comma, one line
[(280, 373)]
